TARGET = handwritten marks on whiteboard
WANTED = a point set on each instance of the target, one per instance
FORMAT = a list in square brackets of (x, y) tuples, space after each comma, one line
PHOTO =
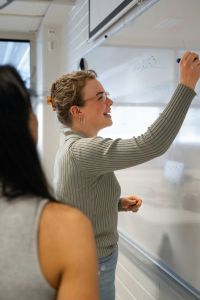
[(146, 63)]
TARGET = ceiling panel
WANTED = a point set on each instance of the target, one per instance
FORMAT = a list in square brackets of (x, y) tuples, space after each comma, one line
[(26, 7), (19, 24), (26, 16)]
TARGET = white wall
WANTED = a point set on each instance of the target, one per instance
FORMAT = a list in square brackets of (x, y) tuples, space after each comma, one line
[(50, 64), (77, 34)]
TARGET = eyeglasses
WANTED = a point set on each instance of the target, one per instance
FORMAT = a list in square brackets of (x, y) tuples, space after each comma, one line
[(100, 96)]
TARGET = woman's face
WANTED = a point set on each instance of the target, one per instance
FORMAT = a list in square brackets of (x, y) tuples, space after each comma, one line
[(33, 126), (97, 106)]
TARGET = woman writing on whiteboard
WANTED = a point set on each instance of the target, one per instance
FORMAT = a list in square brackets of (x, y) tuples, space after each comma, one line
[(39, 257), (85, 163)]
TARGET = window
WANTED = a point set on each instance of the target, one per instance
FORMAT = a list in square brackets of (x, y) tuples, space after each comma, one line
[(17, 53)]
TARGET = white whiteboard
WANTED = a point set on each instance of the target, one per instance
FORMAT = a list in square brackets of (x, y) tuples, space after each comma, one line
[(168, 224), (104, 13), (138, 67)]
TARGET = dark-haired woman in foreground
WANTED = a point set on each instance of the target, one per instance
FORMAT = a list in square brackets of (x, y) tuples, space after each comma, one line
[(47, 249)]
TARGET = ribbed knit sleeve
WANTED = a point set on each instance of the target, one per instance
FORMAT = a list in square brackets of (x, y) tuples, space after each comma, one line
[(98, 155)]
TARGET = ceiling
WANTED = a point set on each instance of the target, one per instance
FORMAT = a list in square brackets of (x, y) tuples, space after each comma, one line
[(25, 16)]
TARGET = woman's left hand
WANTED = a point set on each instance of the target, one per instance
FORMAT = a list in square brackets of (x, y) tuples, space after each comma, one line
[(131, 203)]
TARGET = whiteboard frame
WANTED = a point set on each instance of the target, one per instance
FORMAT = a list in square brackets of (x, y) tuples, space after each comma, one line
[(144, 257), (117, 13)]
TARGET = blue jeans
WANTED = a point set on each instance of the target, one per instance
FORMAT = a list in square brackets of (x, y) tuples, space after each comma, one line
[(107, 267)]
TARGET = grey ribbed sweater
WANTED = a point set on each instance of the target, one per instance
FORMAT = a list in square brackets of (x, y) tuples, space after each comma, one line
[(84, 167)]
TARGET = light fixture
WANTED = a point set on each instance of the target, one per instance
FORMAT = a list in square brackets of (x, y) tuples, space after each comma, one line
[(4, 3)]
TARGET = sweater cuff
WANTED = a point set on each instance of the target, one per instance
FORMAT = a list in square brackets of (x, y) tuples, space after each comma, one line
[(189, 93), (120, 208)]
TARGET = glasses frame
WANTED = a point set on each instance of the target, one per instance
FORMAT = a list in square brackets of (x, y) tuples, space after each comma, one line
[(105, 96)]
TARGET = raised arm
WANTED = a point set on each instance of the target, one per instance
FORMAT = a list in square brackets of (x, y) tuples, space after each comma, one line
[(98, 155), (68, 253)]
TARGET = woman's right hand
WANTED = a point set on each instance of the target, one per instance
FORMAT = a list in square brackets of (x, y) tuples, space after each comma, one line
[(189, 69)]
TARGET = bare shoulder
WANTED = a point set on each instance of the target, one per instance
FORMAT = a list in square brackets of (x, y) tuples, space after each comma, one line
[(65, 239), (57, 213), (63, 223)]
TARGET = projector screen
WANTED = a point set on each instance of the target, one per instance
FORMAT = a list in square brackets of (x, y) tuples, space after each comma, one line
[(103, 14)]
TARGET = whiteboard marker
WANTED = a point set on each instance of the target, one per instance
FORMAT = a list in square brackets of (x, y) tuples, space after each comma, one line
[(179, 59)]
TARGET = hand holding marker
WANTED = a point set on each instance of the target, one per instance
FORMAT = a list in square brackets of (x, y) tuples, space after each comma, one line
[(189, 69), (179, 59)]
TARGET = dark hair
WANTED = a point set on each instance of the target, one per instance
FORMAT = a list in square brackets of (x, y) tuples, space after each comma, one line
[(20, 169)]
